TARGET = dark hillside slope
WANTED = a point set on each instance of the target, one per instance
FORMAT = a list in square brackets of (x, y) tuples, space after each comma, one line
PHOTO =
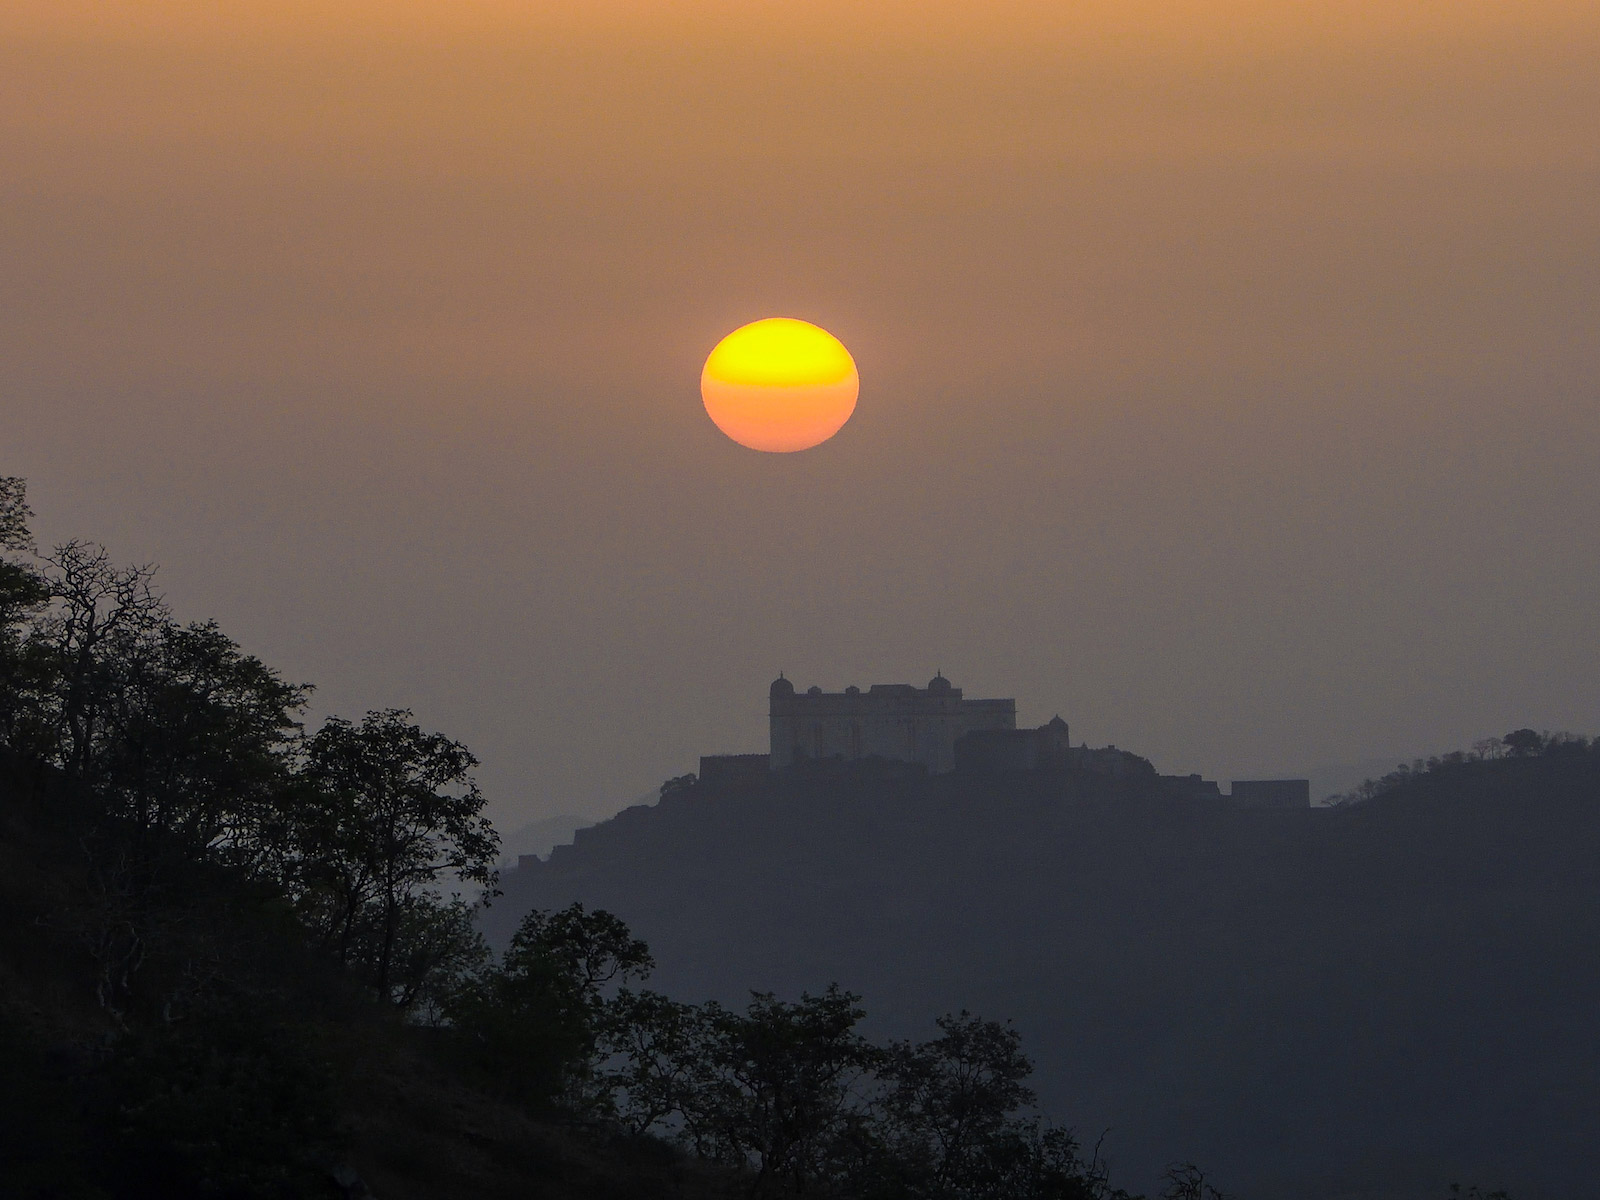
[(1365, 1001), (310, 1084)]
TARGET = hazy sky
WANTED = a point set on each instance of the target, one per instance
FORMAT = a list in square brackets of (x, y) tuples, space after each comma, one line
[(1229, 370)]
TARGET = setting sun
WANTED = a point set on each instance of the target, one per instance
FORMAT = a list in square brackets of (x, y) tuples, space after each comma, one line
[(780, 385)]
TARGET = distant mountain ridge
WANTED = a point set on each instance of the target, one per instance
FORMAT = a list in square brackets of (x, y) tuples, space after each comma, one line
[(1361, 1001)]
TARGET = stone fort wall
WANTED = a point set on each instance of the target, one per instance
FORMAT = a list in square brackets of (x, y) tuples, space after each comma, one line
[(888, 720)]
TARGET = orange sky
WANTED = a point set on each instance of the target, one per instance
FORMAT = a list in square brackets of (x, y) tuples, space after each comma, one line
[(1252, 24), (1231, 366)]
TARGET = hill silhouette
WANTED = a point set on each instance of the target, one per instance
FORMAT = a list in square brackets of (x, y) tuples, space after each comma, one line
[(235, 964), (298, 1086), (1364, 1000)]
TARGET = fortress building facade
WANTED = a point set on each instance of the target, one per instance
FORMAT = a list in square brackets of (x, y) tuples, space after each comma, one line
[(888, 720), (940, 730)]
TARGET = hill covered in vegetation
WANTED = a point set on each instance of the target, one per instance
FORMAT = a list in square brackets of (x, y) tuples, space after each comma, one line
[(1365, 1000)]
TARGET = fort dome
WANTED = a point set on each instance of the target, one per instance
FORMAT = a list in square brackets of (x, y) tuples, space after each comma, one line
[(782, 687), (938, 685)]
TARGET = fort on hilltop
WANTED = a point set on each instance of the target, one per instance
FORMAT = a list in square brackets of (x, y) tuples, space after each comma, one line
[(888, 720), (939, 730)]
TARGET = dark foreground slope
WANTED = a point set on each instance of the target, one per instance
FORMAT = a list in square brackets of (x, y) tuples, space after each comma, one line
[(1365, 1001), (289, 1082)]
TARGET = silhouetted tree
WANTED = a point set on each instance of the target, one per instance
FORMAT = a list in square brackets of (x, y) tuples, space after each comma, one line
[(437, 945), (587, 949), (951, 1098), (101, 623), (23, 593), (172, 727), (14, 514), (780, 1086), (1185, 1181), (650, 1047), (578, 954), (198, 742), (953, 1123), (385, 812), (1488, 749), (1524, 743), (534, 1022)]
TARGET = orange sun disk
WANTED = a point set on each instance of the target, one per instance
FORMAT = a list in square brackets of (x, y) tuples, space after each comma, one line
[(780, 385)]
